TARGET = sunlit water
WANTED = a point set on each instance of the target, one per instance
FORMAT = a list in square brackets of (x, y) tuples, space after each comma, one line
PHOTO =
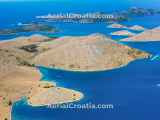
[(133, 90)]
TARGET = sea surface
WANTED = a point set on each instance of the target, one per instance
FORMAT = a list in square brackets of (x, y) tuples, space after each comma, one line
[(133, 89), (13, 13)]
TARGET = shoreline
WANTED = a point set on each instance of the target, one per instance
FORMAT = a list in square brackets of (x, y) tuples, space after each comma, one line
[(46, 86), (79, 97), (142, 41), (30, 78), (91, 71), (6, 112), (6, 109)]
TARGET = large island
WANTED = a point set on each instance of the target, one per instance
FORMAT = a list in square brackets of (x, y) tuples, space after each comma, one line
[(19, 76)]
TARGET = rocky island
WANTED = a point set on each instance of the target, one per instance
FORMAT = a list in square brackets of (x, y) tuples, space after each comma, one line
[(137, 28), (142, 11), (147, 35), (19, 76), (123, 33), (116, 25), (120, 26)]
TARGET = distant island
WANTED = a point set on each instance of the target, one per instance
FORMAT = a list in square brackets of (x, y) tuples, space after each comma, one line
[(94, 17), (120, 26), (123, 33), (126, 31), (146, 36), (32, 27)]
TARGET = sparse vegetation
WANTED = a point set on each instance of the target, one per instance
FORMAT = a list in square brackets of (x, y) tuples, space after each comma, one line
[(48, 86), (24, 62), (72, 66), (10, 103), (30, 48)]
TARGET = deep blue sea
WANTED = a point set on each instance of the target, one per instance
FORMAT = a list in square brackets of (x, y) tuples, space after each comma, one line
[(133, 90)]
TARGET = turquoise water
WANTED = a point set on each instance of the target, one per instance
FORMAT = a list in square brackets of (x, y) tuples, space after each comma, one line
[(133, 90)]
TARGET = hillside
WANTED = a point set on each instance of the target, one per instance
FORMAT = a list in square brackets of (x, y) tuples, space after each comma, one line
[(87, 53)]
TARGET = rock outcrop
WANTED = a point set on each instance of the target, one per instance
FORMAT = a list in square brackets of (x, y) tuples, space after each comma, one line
[(137, 28), (123, 33)]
